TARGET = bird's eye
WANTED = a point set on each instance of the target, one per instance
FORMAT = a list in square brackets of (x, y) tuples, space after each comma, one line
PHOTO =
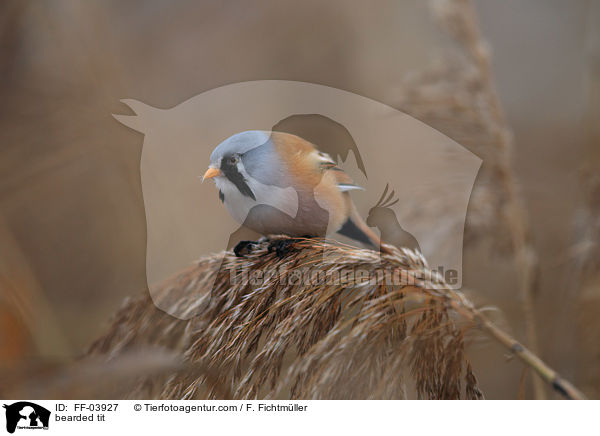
[(232, 160)]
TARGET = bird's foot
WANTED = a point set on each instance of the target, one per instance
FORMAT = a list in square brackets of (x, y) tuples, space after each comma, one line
[(281, 247), (244, 247)]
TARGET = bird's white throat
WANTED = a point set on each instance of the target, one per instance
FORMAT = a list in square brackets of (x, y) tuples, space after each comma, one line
[(239, 205)]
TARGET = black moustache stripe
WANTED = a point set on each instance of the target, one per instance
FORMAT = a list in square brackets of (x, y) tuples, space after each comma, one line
[(235, 177)]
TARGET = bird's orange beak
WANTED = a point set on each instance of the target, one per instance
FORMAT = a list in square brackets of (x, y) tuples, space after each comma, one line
[(210, 173)]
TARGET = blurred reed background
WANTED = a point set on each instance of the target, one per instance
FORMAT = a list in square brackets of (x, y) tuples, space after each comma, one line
[(72, 226)]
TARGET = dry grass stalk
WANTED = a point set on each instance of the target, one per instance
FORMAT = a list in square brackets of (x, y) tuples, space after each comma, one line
[(22, 298), (586, 251), (584, 289), (460, 100), (283, 338)]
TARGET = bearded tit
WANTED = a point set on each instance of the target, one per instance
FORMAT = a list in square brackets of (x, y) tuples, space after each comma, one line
[(279, 183)]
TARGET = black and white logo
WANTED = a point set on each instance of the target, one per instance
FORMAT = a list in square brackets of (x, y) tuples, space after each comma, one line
[(26, 415)]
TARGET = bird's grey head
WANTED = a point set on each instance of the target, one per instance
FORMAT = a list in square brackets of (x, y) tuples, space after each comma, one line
[(238, 145), (247, 156)]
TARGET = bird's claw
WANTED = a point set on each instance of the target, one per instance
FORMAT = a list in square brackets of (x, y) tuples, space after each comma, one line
[(243, 247), (281, 247)]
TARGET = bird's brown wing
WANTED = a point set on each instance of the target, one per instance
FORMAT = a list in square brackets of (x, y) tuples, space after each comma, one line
[(355, 227)]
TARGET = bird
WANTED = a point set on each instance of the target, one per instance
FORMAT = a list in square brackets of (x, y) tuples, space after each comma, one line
[(279, 183)]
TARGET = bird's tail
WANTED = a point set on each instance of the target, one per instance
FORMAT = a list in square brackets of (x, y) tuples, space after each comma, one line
[(356, 228)]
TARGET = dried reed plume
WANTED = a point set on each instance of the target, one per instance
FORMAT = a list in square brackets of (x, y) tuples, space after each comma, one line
[(262, 331), (459, 99)]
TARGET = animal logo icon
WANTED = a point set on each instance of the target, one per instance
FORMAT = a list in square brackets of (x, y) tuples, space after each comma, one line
[(185, 218), (26, 415), (384, 218), (331, 137)]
